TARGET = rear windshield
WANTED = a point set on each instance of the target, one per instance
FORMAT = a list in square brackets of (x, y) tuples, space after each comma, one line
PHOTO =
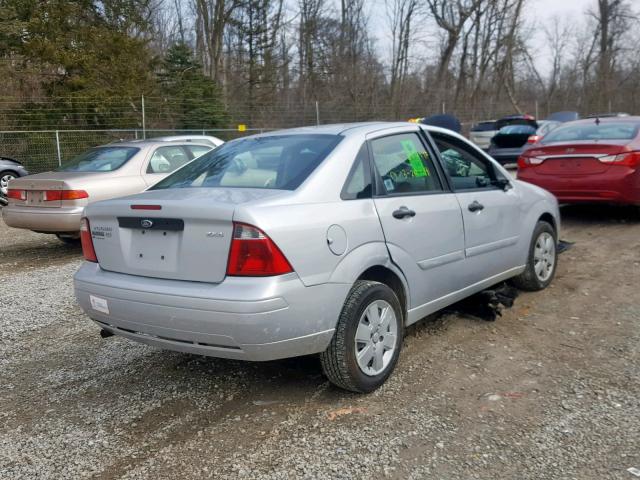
[(484, 127), (281, 162), (102, 159), (503, 122), (593, 131), (517, 129)]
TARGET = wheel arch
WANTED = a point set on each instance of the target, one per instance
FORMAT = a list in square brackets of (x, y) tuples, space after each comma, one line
[(382, 274), (550, 219)]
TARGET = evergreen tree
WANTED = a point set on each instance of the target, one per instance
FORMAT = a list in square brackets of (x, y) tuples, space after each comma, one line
[(194, 100)]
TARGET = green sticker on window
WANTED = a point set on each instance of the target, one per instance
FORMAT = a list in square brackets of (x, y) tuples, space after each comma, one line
[(415, 161)]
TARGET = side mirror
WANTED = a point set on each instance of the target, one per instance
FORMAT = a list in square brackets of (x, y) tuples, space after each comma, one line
[(503, 184)]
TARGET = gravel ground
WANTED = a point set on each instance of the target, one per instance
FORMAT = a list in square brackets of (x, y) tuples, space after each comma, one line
[(549, 391)]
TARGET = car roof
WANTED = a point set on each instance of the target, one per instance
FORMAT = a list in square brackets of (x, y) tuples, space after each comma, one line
[(348, 129), (153, 143), (590, 121)]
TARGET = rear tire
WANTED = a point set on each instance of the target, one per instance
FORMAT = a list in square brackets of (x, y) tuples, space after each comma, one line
[(542, 260), (366, 345)]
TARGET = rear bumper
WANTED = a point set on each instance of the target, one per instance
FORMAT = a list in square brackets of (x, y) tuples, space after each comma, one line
[(50, 220), (241, 318), (619, 185)]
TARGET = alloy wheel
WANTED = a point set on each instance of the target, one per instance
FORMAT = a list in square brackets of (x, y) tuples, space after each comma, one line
[(4, 183), (376, 338), (544, 256)]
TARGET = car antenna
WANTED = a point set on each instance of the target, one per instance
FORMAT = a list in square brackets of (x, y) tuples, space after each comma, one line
[(597, 120)]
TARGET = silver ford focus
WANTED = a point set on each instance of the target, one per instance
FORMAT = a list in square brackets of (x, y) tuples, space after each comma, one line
[(326, 240)]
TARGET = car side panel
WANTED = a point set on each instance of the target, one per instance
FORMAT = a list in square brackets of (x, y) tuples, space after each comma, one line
[(301, 231)]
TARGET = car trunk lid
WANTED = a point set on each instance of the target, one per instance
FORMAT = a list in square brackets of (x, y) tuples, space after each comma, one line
[(576, 159), (37, 185), (179, 234)]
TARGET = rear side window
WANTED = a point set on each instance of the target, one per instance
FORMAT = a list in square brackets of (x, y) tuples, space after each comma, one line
[(197, 150), (593, 131), (278, 161), (102, 159), (404, 164), (167, 159), (358, 184)]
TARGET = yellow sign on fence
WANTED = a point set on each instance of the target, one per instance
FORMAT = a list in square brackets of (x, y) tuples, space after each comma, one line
[(242, 127)]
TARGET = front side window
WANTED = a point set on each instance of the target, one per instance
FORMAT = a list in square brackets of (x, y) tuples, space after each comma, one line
[(101, 159), (275, 161), (466, 169), (404, 164), (167, 159)]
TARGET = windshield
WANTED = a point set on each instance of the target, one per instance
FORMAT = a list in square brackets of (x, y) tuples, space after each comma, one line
[(281, 162), (593, 131), (102, 159)]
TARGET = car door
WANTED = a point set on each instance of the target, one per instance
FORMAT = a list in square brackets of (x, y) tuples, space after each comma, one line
[(420, 216), (490, 208), (163, 161)]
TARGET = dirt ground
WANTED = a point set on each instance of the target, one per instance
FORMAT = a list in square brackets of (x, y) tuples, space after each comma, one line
[(551, 390)]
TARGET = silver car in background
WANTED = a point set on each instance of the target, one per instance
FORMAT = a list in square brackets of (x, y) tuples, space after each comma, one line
[(326, 240)]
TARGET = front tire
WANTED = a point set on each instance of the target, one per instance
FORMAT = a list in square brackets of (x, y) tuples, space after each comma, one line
[(5, 177), (366, 345), (542, 260)]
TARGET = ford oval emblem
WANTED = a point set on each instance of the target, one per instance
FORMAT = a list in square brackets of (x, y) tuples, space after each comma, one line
[(146, 223)]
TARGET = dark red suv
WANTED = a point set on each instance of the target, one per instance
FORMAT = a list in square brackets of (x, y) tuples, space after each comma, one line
[(593, 160)]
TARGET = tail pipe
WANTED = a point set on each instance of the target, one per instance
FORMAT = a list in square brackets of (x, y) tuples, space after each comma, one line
[(105, 333)]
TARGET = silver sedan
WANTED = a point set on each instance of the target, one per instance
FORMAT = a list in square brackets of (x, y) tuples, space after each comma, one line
[(327, 240)]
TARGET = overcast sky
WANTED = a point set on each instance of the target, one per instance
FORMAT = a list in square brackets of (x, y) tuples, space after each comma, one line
[(537, 11)]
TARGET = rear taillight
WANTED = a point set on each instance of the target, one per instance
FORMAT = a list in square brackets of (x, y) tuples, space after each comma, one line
[(17, 194), (524, 162), (629, 159), (56, 195), (533, 139), (87, 242), (253, 254)]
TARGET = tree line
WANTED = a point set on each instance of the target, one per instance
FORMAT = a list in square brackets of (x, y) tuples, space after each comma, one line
[(214, 63)]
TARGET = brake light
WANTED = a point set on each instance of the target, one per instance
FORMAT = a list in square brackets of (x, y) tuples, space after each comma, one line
[(533, 139), (17, 194), (524, 162), (253, 254), (629, 159), (56, 195), (87, 242)]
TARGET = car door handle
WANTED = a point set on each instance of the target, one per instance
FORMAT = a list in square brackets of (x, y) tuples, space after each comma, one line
[(475, 206), (403, 212)]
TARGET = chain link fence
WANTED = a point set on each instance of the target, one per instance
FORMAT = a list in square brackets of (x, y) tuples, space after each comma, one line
[(44, 150)]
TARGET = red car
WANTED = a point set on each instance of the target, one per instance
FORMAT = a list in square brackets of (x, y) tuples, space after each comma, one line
[(592, 160)]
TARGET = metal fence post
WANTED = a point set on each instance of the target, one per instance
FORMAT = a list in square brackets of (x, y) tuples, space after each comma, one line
[(144, 130), (317, 114), (58, 147)]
